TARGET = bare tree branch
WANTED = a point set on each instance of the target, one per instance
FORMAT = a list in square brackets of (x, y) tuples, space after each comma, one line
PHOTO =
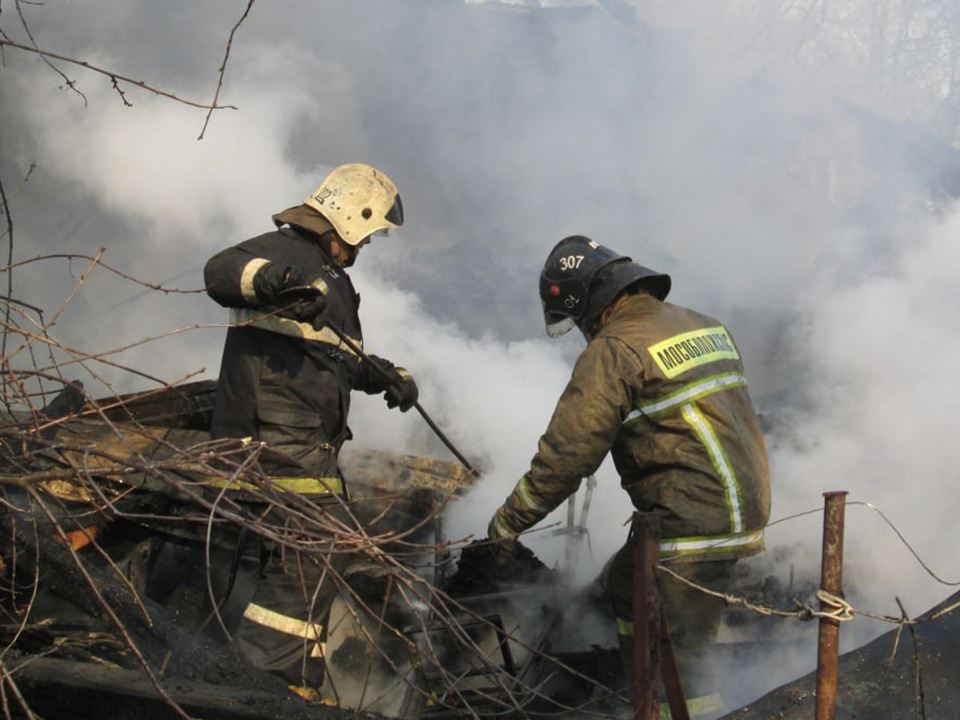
[(26, 27), (114, 77), (223, 66)]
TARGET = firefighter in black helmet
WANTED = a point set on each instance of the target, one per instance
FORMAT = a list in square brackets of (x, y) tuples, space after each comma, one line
[(285, 381), (661, 388)]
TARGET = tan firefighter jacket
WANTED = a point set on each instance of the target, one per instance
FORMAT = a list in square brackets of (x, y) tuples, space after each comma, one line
[(661, 388)]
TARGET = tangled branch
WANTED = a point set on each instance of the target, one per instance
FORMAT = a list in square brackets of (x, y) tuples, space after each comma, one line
[(114, 77), (98, 490)]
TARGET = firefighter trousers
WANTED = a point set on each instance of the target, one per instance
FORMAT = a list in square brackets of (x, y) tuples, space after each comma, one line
[(693, 618)]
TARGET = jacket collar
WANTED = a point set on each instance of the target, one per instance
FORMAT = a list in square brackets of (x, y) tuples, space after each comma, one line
[(303, 217)]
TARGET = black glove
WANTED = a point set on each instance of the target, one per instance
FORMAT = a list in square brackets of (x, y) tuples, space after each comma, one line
[(273, 278), (485, 566), (402, 392), (305, 303)]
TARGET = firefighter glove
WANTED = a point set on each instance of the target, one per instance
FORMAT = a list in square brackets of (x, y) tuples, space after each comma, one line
[(305, 303), (273, 278), (402, 391)]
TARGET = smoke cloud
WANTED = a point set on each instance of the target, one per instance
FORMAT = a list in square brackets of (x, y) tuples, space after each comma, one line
[(691, 140)]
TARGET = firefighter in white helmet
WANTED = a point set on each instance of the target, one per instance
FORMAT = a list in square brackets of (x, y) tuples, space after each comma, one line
[(662, 389), (286, 378)]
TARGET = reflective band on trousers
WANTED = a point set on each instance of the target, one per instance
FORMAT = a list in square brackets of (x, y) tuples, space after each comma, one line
[(287, 625), (292, 328), (299, 485), (697, 706)]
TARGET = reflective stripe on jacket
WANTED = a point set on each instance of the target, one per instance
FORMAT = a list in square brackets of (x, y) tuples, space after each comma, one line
[(661, 388)]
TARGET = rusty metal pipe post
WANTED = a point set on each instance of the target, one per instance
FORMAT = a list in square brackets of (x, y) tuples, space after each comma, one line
[(672, 684), (831, 577), (647, 611)]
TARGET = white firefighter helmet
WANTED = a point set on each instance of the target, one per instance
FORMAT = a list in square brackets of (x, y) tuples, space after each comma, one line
[(358, 200)]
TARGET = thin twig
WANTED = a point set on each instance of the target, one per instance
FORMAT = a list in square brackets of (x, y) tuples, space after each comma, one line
[(223, 67), (114, 77)]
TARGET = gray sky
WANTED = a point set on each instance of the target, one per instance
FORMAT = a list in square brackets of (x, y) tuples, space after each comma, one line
[(504, 132)]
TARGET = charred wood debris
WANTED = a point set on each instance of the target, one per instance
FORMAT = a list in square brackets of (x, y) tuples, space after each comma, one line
[(129, 543), (124, 558)]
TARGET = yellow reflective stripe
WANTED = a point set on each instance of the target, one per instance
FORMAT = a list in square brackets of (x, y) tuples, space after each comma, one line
[(300, 485), (689, 393), (525, 495), (709, 544), (287, 625), (697, 706), (706, 704), (246, 279), (624, 627), (282, 623), (320, 285), (721, 463), (286, 326), (688, 350), (500, 530)]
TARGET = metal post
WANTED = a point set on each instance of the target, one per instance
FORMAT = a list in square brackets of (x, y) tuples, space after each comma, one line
[(571, 534), (646, 616), (672, 684), (831, 576)]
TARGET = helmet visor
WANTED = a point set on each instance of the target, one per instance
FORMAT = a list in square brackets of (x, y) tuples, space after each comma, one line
[(395, 215), (558, 325)]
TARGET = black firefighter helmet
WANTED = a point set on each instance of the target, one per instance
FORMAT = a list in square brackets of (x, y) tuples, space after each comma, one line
[(582, 277)]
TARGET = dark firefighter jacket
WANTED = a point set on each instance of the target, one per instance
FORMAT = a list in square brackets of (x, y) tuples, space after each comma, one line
[(282, 381), (663, 389)]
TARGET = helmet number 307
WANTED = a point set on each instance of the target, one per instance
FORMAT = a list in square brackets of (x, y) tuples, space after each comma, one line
[(571, 262)]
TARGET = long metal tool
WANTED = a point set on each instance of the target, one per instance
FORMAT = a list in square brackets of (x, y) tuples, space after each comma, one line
[(575, 532), (423, 413)]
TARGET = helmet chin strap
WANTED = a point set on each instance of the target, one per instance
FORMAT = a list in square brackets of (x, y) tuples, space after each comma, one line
[(351, 255), (590, 328), (343, 254)]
